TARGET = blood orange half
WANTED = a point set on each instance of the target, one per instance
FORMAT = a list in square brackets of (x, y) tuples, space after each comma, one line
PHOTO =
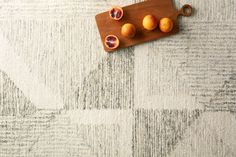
[(116, 13), (111, 42)]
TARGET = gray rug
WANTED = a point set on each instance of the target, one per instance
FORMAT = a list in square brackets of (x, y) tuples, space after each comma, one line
[(61, 95)]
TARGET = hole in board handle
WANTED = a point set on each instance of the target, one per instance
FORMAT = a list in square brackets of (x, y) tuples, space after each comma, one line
[(186, 10)]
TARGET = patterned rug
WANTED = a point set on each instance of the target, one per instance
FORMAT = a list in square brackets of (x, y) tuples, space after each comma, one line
[(61, 95)]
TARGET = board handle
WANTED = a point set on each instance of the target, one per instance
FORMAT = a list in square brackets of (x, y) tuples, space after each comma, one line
[(186, 10)]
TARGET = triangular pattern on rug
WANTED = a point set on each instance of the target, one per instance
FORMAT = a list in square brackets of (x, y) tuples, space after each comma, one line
[(212, 135), (157, 132), (12, 101)]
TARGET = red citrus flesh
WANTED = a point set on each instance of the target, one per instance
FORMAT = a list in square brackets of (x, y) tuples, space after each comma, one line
[(116, 13), (111, 42)]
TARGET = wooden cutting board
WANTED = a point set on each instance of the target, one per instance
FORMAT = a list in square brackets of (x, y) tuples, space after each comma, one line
[(134, 14)]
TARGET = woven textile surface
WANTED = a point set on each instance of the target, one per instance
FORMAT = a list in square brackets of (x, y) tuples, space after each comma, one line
[(61, 95)]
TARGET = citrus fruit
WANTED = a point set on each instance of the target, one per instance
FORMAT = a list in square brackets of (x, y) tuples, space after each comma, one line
[(150, 22), (116, 13), (111, 41), (128, 30), (166, 25)]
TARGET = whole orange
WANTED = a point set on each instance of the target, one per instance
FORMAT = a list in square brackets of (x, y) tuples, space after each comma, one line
[(166, 25), (128, 30), (150, 22)]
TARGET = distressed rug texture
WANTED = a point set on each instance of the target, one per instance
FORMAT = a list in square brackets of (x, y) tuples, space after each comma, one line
[(61, 95)]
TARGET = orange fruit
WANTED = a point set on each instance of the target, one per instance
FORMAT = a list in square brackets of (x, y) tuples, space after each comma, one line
[(128, 30), (150, 22), (111, 42), (166, 25), (116, 13)]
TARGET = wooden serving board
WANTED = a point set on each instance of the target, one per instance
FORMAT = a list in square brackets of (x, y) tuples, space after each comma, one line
[(134, 14)]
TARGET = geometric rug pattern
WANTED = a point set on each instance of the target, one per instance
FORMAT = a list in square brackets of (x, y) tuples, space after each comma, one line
[(61, 95)]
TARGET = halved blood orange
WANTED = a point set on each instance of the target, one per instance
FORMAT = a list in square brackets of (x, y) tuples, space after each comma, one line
[(116, 13), (111, 42)]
